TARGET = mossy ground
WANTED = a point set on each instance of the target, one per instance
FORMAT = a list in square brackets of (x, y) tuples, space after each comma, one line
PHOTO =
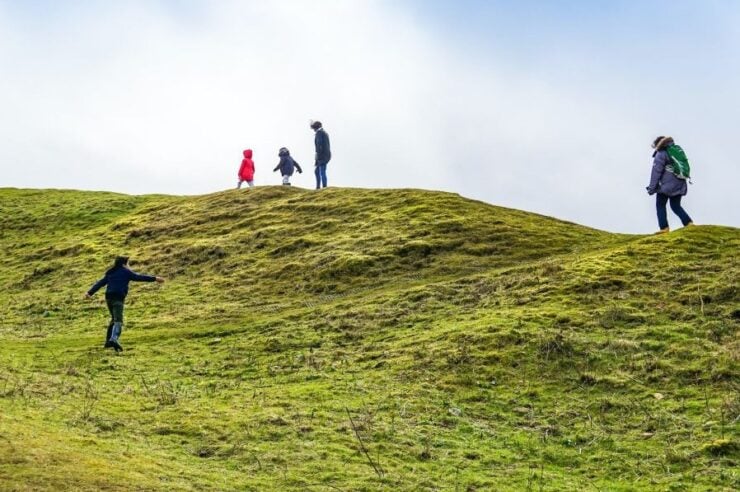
[(474, 347)]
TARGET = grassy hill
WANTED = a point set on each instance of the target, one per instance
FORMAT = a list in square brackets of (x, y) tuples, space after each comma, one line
[(362, 340)]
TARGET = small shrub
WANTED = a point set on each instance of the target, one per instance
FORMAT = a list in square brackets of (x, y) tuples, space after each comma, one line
[(273, 345), (461, 355), (299, 244), (615, 315), (88, 400), (556, 345), (719, 330), (588, 379), (721, 447), (415, 248)]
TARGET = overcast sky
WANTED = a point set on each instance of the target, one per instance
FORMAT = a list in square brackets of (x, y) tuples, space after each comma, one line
[(546, 106)]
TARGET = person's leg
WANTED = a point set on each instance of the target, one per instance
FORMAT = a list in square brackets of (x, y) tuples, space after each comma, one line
[(239, 185), (660, 202), (317, 173), (323, 175), (251, 184), (678, 210), (117, 311), (286, 180), (108, 334), (110, 324)]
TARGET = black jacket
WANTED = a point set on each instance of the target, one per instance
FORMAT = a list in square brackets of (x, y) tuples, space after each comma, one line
[(287, 165), (323, 148), (117, 280)]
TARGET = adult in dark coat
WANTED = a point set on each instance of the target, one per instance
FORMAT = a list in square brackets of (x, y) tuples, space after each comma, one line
[(323, 153), (666, 186)]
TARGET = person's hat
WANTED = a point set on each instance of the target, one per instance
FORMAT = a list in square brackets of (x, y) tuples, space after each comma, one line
[(315, 125)]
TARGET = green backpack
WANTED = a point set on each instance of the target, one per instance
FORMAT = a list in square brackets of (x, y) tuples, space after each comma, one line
[(679, 162)]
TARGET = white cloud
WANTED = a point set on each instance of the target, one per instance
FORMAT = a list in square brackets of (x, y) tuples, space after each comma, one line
[(143, 104), (132, 98)]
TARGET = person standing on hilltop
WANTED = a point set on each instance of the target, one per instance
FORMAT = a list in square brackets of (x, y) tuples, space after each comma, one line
[(287, 166), (323, 153), (246, 171), (117, 279), (667, 183)]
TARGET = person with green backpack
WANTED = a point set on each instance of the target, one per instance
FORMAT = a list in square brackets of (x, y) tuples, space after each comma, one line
[(668, 181)]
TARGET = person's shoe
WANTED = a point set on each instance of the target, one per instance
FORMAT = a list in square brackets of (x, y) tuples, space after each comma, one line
[(107, 344), (116, 346), (663, 231), (689, 224)]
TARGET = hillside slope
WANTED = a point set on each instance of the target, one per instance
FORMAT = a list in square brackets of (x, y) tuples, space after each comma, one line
[(362, 340)]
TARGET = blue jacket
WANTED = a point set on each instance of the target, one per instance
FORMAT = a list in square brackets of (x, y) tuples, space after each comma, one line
[(323, 148), (664, 181), (287, 165), (117, 281)]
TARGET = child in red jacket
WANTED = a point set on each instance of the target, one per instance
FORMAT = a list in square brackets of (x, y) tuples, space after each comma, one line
[(246, 171)]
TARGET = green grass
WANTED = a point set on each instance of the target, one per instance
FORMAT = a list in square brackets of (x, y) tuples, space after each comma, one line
[(474, 347)]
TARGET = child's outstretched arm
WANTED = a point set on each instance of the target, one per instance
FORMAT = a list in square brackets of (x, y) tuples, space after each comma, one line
[(144, 278), (98, 285), (298, 167)]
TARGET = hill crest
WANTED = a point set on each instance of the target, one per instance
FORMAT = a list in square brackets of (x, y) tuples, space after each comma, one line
[(474, 346)]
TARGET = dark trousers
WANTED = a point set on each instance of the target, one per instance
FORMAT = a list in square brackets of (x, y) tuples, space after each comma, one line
[(115, 307), (660, 203)]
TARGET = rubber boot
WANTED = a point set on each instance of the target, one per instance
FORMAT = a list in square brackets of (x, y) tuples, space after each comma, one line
[(115, 333)]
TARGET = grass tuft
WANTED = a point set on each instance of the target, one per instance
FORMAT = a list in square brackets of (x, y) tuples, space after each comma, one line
[(362, 340)]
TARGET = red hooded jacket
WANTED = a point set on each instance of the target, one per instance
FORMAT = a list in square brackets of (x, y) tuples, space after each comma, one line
[(246, 171)]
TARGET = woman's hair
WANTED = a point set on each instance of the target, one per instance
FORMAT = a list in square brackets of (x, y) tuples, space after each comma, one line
[(657, 141), (118, 263)]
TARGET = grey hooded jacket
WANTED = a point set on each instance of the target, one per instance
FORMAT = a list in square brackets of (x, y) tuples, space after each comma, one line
[(662, 180)]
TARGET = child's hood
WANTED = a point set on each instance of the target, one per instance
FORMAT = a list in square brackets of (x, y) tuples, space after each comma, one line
[(248, 154)]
